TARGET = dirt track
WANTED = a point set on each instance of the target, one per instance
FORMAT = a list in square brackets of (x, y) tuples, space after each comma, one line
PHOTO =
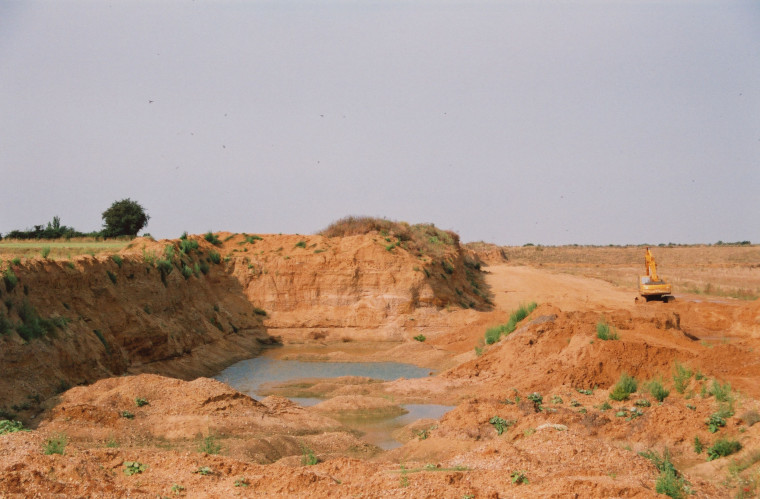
[(568, 446)]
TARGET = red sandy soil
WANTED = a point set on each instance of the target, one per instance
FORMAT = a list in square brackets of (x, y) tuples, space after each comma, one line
[(569, 447)]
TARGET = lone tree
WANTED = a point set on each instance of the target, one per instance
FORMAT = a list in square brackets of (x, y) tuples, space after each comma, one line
[(124, 218)]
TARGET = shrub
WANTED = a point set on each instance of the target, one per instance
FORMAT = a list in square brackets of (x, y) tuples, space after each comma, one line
[(5, 325), (45, 251), (187, 272), (16, 261), (681, 376), (10, 426), (252, 239), (519, 477), (750, 417), (300, 244), (212, 238), (55, 444), (204, 470), (187, 245), (139, 402), (215, 257), (625, 386), (669, 482), (165, 267), (493, 334), (714, 422), (605, 332), (722, 448), (32, 325), (127, 415), (308, 458), (656, 389), (204, 268), (102, 340), (124, 218), (420, 337), (698, 445), (117, 260), (169, 251), (259, 311)]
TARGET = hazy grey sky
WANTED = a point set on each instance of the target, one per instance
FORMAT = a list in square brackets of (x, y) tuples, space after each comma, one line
[(508, 121)]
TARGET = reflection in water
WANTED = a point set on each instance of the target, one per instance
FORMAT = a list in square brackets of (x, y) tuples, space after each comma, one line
[(249, 375)]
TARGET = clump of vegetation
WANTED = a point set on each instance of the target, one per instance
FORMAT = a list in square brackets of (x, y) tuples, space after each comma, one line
[(45, 252), (494, 334), (10, 279), (102, 340), (670, 482), (209, 445), (605, 332), (32, 325), (118, 260), (7, 426), (698, 445), (127, 415), (111, 276), (187, 272), (187, 245), (723, 447), (124, 218), (625, 386), (165, 267), (215, 257), (308, 458), (140, 402), (715, 422), (134, 467), (681, 376), (204, 470), (212, 238), (177, 488), (750, 417), (519, 477), (420, 337), (55, 444), (722, 393), (501, 424), (252, 239), (300, 244), (657, 390)]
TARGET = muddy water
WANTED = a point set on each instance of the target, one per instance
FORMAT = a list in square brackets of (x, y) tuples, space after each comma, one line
[(248, 376)]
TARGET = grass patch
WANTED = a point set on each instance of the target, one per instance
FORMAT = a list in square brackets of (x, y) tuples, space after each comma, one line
[(300, 244), (420, 337), (56, 444), (209, 445), (308, 458), (625, 386), (722, 393), (10, 279), (723, 447), (212, 238), (118, 260), (605, 332), (494, 334), (670, 482), (10, 426), (140, 402), (750, 417), (215, 257), (187, 245)]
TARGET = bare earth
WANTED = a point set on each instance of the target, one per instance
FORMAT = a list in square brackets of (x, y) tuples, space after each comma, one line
[(569, 445)]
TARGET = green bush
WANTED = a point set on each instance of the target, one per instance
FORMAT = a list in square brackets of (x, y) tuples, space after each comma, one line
[(209, 445), (259, 311), (124, 218), (10, 279), (308, 458), (714, 422), (187, 245), (111, 276), (669, 482), (45, 251), (204, 268), (681, 376), (300, 244), (10, 426), (493, 334), (698, 445), (501, 424), (656, 389), (187, 272), (139, 402), (625, 386), (722, 448), (215, 257), (605, 332), (420, 337), (117, 260), (134, 467), (212, 238)]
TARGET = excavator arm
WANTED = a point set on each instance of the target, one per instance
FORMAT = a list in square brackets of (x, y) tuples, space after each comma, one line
[(651, 287)]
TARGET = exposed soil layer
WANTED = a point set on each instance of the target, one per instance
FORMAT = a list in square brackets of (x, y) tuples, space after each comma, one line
[(533, 415)]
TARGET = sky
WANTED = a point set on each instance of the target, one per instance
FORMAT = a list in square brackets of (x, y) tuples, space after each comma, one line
[(510, 122)]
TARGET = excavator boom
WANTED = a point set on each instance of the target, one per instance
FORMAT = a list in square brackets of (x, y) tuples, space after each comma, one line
[(651, 287)]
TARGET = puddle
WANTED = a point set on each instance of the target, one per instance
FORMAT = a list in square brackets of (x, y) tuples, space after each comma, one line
[(248, 376)]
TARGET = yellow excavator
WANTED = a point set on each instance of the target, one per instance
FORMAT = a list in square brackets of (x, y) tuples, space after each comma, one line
[(651, 287)]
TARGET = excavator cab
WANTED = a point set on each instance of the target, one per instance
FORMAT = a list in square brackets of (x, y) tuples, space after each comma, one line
[(651, 287)]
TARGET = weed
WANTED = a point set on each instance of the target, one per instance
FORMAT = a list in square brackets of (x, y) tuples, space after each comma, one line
[(187, 272), (127, 415), (681, 376), (204, 268), (723, 447), (45, 252), (556, 399), (605, 406), (187, 245), (139, 402), (519, 477), (300, 244), (698, 445), (165, 267), (625, 386), (308, 458), (134, 467), (112, 443), (722, 393), (177, 488), (535, 397), (10, 426), (493, 334), (169, 252), (16, 261), (117, 260), (605, 332), (10, 279), (252, 239), (204, 470), (669, 482), (714, 422), (55, 444), (259, 311), (420, 337), (102, 340), (212, 238), (657, 390), (501, 424), (215, 257), (209, 445), (584, 391), (242, 482)]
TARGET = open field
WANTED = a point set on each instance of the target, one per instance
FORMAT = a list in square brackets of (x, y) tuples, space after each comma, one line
[(729, 271), (60, 249)]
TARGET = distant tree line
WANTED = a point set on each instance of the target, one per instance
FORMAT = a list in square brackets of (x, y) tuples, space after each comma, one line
[(122, 218)]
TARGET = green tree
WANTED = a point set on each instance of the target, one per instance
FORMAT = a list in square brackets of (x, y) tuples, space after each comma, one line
[(124, 218)]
